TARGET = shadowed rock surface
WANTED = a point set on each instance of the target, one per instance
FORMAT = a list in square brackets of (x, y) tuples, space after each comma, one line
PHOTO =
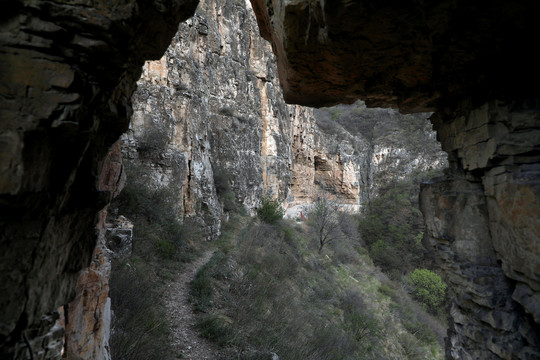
[(413, 55), (67, 71)]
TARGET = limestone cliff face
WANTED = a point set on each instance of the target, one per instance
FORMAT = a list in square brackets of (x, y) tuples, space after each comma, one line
[(325, 164), (209, 107), (212, 104), (359, 150)]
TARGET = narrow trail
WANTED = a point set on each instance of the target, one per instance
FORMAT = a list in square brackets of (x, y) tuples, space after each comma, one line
[(184, 336)]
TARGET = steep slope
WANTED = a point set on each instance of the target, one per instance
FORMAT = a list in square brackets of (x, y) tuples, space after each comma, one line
[(268, 293)]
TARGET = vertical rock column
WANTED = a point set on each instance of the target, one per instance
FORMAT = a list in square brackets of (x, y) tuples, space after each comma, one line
[(88, 316), (482, 222)]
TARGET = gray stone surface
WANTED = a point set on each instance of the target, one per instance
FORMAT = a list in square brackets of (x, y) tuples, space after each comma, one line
[(67, 72)]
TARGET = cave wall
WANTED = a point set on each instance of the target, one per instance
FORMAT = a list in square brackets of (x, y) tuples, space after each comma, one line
[(67, 72), (483, 226), (473, 65)]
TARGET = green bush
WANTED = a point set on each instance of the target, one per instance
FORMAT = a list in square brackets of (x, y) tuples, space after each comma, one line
[(428, 288), (270, 210), (392, 227)]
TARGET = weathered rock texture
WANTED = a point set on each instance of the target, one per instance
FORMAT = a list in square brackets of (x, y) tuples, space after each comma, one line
[(483, 222), (212, 106), (410, 54), (88, 317), (68, 70), (197, 114), (474, 66), (373, 146)]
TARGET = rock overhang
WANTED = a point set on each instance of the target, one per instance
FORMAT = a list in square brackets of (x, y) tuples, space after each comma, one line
[(414, 55)]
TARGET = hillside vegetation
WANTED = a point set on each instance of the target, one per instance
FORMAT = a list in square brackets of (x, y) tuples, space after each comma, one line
[(391, 226), (380, 126), (283, 288), (268, 290), (335, 286)]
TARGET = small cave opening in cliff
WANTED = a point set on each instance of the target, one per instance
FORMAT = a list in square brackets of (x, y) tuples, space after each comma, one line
[(321, 164)]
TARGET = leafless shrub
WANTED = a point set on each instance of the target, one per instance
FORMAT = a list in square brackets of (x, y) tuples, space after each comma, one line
[(324, 218)]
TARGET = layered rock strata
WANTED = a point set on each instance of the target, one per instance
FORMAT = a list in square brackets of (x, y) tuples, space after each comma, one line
[(88, 316), (208, 109), (68, 70), (482, 222)]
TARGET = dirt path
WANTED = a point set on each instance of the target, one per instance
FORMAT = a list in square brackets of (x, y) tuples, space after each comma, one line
[(184, 335)]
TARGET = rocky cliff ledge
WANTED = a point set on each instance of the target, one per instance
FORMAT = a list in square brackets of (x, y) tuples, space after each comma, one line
[(474, 66), (68, 70)]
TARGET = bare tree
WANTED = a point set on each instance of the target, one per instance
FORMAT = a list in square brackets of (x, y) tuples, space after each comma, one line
[(324, 219)]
